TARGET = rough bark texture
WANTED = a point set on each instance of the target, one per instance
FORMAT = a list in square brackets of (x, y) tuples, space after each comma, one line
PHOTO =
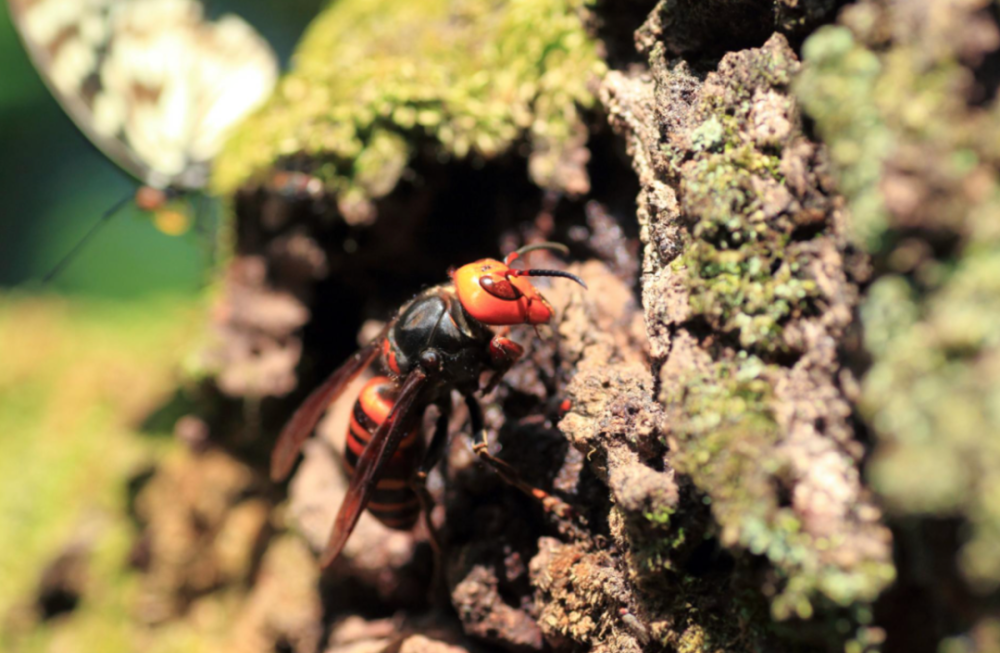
[(747, 293), (792, 270)]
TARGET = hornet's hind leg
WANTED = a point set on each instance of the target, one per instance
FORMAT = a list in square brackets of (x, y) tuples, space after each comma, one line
[(439, 585), (431, 458)]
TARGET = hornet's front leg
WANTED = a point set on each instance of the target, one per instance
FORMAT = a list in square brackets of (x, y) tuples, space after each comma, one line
[(504, 352), (481, 447)]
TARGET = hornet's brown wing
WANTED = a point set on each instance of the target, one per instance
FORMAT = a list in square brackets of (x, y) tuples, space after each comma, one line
[(302, 423), (377, 453)]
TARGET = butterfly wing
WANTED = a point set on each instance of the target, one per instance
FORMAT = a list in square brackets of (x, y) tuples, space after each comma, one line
[(150, 82), (67, 56), (235, 72)]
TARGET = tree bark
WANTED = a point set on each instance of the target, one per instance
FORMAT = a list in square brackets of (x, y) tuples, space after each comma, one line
[(781, 382)]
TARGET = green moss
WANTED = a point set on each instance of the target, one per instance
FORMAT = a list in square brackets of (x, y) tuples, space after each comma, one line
[(655, 540), (661, 517), (728, 421), (916, 161), (693, 640), (373, 81), (749, 288), (654, 555)]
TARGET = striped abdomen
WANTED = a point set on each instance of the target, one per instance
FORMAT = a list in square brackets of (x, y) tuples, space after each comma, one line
[(393, 502)]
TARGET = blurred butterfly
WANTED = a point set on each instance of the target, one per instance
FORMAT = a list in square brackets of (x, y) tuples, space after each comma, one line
[(151, 83)]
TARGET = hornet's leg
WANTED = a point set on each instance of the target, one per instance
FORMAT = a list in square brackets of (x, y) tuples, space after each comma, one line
[(480, 445), (439, 584), (431, 458), (504, 352)]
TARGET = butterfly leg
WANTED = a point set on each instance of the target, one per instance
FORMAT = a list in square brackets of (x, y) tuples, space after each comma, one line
[(206, 228)]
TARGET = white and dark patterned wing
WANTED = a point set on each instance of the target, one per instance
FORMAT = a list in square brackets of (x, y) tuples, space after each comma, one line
[(155, 86), (65, 40)]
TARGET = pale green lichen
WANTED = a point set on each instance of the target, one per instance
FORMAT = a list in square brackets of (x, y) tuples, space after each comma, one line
[(916, 159), (374, 82), (743, 276), (730, 424), (837, 88), (750, 272)]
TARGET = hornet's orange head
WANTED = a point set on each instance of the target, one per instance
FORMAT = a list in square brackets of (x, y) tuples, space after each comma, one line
[(498, 295)]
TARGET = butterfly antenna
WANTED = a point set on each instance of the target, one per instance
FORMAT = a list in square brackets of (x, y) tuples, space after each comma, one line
[(202, 221), (101, 222), (207, 229)]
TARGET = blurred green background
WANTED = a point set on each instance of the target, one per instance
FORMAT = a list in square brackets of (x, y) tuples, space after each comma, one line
[(55, 184), (86, 359)]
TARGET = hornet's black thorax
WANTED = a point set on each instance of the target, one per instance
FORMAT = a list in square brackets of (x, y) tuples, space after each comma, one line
[(435, 319)]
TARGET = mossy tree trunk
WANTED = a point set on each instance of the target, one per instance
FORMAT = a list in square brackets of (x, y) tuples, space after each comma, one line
[(783, 423)]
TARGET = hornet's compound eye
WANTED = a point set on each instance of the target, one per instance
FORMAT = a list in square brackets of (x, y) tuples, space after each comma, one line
[(500, 287)]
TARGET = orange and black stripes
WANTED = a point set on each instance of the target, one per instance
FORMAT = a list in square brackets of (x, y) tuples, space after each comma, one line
[(393, 502), (389, 356)]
